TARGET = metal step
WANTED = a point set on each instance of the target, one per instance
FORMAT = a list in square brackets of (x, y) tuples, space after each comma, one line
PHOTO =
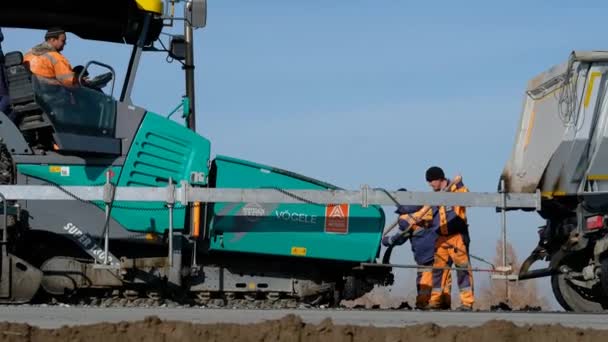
[(19, 281)]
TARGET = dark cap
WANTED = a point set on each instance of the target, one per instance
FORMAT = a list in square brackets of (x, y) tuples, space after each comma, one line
[(54, 32), (406, 209), (434, 173)]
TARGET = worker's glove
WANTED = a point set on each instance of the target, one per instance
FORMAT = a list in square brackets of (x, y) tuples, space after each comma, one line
[(403, 224), (387, 241), (398, 240)]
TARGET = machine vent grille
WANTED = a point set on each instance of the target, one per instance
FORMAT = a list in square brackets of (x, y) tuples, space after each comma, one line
[(159, 158)]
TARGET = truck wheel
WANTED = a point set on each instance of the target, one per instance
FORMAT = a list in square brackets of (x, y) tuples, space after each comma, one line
[(574, 298), (604, 276)]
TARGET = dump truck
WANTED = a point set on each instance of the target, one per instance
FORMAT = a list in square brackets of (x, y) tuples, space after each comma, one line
[(561, 150)]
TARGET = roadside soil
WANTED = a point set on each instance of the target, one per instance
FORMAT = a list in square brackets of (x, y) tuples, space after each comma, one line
[(291, 328)]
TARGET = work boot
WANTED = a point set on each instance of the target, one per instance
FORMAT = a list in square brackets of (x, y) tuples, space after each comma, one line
[(434, 307), (421, 307), (464, 308)]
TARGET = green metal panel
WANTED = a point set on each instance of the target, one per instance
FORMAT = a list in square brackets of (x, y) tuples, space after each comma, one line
[(162, 149), (67, 175), (64, 174), (303, 230)]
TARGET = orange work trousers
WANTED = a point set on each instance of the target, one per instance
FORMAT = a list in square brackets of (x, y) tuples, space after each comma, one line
[(424, 286), (449, 250)]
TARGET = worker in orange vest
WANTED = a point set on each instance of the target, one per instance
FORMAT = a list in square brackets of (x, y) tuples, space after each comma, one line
[(452, 244), (47, 63), (415, 225)]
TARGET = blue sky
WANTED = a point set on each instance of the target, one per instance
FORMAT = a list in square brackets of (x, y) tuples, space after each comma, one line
[(367, 92)]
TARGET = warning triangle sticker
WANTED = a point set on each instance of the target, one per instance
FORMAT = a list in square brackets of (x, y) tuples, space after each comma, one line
[(337, 212), (336, 218)]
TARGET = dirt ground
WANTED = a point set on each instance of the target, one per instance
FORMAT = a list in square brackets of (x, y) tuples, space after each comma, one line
[(291, 328)]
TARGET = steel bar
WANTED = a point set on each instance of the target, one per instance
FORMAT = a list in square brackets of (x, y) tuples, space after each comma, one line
[(170, 234), (5, 260), (170, 198), (422, 267), (107, 198), (4, 220), (320, 197), (189, 69), (503, 227), (106, 238)]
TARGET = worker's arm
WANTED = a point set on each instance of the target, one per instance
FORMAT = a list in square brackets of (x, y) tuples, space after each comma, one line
[(406, 221), (406, 224), (396, 239), (407, 209), (460, 187), (63, 71)]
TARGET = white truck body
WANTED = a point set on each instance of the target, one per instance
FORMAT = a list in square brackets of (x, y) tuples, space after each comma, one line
[(561, 145)]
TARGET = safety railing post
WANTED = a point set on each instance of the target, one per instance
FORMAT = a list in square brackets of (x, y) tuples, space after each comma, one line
[(5, 286), (108, 195), (170, 205), (4, 220), (503, 224)]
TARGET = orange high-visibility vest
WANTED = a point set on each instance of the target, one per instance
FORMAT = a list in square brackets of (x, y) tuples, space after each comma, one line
[(51, 66), (453, 219)]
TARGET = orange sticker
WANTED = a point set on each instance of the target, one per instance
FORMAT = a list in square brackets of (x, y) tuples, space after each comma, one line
[(300, 251), (336, 218)]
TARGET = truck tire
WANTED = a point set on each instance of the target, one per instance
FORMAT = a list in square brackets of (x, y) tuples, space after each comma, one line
[(575, 298), (604, 276)]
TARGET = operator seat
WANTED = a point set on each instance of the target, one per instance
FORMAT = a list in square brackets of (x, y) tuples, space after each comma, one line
[(29, 115), (49, 122)]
